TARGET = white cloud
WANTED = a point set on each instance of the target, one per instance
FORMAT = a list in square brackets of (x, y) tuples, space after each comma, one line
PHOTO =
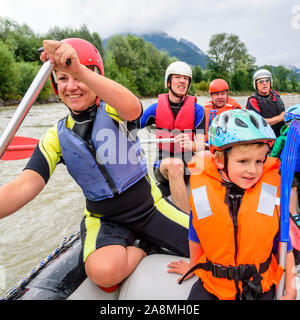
[(264, 26)]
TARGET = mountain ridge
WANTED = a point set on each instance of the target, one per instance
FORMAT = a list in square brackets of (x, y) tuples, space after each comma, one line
[(182, 49)]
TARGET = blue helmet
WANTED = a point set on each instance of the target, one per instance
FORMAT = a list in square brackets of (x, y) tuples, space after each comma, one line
[(292, 113), (234, 127)]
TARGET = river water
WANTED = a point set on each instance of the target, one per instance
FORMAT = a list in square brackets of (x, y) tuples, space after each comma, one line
[(30, 234)]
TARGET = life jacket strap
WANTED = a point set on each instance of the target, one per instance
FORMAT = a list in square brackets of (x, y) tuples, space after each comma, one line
[(244, 272)]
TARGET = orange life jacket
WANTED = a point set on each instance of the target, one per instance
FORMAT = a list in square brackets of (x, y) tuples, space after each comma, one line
[(257, 221), (211, 111), (168, 127)]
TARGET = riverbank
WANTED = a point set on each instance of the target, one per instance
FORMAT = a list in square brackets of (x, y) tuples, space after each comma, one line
[(286, 97), (16, 101)]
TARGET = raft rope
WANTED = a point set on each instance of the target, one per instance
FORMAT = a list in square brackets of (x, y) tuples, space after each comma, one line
[(22, 283)]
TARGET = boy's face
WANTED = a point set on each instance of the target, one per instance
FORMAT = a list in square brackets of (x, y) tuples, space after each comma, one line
[(245, 164)]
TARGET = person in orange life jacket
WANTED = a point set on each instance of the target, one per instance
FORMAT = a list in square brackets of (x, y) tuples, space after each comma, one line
[(266, 101), (122, 201), (220, 101), (176, 112), (233, 227)]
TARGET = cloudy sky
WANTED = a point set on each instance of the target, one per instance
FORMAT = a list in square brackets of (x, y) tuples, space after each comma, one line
[(270, 29)]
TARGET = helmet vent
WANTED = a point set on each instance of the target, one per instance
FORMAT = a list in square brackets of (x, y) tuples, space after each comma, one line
[(240, 123), (265, 123), (254, 121)]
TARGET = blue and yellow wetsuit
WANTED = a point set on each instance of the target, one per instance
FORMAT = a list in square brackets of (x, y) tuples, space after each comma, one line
[(138, 212)]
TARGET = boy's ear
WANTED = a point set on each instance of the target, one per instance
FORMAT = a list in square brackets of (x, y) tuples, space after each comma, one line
[(219, 163)]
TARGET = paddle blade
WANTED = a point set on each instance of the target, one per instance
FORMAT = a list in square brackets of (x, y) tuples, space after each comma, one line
[(20, 148)]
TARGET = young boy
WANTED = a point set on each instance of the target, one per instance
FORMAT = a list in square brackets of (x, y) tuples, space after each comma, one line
[(235, 215)]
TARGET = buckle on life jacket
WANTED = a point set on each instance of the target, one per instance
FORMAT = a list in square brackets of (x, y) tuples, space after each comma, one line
[(220, 271), (252, 289)]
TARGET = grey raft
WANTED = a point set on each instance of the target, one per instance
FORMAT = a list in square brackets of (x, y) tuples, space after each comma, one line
[(61, 276)]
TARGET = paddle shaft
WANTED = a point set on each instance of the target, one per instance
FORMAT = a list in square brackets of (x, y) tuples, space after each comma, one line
[(166, 140), (163, 140), (24, 106)]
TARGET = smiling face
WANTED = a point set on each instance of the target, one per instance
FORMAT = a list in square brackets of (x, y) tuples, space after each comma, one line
[(179, 86), (75, 94), (245, 164)]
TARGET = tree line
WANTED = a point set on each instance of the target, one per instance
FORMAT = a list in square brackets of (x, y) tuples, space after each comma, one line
[(131, 61)]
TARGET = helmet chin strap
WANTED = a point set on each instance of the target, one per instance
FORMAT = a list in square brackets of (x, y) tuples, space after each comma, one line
[(176, 95), (225, 169)]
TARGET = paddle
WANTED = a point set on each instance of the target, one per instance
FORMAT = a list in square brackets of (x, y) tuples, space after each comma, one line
[(288, 163), (157, 140), (20, 148), (24, 106), (163, 140)]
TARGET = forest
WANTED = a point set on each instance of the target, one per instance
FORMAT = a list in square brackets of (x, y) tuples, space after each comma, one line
[(131, 61)]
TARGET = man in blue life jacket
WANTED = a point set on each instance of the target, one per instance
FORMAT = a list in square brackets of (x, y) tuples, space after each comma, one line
[(266, 101), (176, 115)]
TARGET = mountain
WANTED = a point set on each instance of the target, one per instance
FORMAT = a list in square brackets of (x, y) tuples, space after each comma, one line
[(182, 49), (295, 69)]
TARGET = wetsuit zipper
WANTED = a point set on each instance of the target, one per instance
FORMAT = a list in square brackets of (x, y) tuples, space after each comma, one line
[(83, 131), (101, 167)]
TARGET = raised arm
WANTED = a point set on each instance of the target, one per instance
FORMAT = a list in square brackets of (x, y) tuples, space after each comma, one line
[(126, 103)]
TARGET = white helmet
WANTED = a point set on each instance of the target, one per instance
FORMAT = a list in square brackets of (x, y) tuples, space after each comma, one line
[(178, 67), (262, 73)]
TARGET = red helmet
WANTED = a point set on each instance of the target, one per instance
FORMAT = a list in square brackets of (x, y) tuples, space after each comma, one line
[(218, 85), (88, 56)]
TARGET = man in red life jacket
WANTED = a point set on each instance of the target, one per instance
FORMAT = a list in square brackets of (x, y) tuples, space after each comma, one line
[(176, 115), (266, 101), (220, 101)]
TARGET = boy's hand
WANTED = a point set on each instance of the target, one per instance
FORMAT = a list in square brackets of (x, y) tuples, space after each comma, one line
[(180, 267), (289, 296)]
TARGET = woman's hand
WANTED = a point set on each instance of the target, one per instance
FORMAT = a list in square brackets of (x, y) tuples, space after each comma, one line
[(59, 52)]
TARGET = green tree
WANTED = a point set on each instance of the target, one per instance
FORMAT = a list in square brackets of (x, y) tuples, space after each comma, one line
[(197, 74), (227, 53), (9, 75), (241, 80), (281, 73), (137, 61), (21, 40), (27, 72), (57, 33), (294, 83)]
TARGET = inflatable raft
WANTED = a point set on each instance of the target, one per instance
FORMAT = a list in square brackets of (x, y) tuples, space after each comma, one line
[(61, 276)]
